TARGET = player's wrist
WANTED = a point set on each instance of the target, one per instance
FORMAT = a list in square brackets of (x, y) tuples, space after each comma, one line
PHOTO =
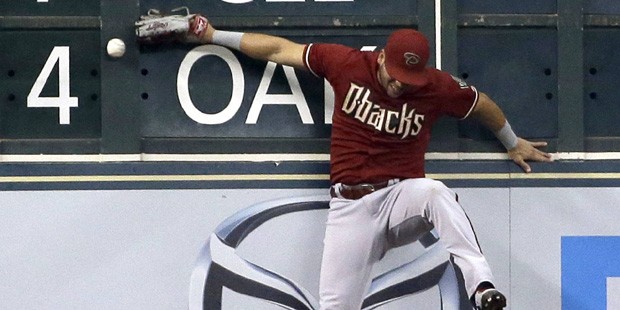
[(231, 39), (199, 26), (507, 136)]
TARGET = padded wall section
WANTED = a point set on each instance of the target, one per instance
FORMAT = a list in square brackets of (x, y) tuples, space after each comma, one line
[(65, 64), (518, 69), (506, 6), (236, 8), (601, 93), (50, 8), (601, 7), (273, 103)]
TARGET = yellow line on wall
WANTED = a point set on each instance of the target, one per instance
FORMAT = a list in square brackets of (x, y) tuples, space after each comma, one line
[(163, 178), (575, 175), (291, 177), (468, 176), (534, 176)]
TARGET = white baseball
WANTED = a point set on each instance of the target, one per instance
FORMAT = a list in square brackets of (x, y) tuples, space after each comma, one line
[(116, 48)]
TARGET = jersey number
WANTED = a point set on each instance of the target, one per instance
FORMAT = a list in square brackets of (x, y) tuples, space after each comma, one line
[(64, 101)]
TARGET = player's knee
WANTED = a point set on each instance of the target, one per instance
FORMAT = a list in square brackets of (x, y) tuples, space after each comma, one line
[(436, 194), (432, 188), (437, 188)]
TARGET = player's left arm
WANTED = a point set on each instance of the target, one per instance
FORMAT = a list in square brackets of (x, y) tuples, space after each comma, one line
[(520, 150)]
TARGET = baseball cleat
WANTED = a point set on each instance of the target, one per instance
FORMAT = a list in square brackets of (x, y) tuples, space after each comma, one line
[(491, 299)]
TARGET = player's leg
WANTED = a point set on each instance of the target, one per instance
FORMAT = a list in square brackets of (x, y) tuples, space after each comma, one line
[(349, 251), (416, 201)]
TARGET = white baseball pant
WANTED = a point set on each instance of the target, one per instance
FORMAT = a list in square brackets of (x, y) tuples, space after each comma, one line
[(359, 232)]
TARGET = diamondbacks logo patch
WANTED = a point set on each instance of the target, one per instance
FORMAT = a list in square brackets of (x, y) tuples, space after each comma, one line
[(412, 59)]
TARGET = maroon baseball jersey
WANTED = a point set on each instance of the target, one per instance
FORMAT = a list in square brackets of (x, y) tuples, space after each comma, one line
[(376, 137)]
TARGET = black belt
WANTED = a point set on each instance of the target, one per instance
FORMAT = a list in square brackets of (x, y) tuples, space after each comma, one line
[(357, 191)]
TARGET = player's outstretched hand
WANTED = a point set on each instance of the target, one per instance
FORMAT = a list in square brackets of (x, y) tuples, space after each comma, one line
[(526, 150), (158, 28)]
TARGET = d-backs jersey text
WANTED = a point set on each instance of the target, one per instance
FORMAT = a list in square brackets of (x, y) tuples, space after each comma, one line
[(376, 137)]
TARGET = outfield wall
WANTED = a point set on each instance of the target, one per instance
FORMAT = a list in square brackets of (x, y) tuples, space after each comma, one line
[(130, 235), (118, 176)]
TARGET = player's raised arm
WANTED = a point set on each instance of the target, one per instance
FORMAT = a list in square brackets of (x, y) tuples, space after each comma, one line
[(519, 150), (259, 46)]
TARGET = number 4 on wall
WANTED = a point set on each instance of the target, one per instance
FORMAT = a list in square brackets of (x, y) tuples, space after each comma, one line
[(64, 101)]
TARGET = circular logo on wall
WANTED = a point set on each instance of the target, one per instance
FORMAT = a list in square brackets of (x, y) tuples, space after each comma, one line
[(219, 267)]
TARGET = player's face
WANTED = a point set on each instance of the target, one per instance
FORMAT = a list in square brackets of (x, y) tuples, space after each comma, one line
[(393, 87)]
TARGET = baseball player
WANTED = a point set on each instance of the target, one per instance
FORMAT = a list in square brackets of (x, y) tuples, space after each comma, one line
[(385, 105)]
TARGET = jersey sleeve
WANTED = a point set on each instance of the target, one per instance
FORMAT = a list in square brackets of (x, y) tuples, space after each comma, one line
[(325, 60), (460, 99)]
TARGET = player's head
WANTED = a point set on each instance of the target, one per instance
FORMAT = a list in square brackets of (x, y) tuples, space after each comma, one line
[(402, 63)]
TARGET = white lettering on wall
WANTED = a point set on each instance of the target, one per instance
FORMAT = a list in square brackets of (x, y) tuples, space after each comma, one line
[(295, 98), (183, 85), (64, 102), (261, 98)]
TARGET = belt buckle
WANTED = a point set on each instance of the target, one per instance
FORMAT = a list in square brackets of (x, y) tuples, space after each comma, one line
[(367, 187)]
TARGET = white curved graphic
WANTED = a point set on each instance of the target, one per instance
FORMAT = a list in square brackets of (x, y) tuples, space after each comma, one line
[(219, 267)]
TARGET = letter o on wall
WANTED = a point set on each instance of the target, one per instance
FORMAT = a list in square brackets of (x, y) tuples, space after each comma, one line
[(183, 85)]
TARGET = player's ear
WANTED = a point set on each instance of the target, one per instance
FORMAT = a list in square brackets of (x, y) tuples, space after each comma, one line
[(381, 58)]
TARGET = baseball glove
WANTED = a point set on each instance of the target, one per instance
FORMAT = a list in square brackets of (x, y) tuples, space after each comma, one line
[(157, 28)]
